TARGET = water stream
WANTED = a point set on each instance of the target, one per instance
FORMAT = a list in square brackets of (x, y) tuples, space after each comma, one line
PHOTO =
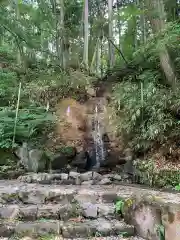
[(97, 137)]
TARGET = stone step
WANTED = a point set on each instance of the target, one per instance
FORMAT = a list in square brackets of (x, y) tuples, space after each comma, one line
[(144, 207), (57, 211), (21, 193), (15, 192), (69, 229)]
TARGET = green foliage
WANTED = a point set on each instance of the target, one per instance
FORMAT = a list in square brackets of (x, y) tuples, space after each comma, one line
[(145, 109), (28, 123), (161, 232), (67, 150), (177, 187), (119, 206), (150, 175)]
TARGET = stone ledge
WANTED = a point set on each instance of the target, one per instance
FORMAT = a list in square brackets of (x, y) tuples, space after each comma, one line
[(18, 192), (69, 229), (74, 178), (56, 211)]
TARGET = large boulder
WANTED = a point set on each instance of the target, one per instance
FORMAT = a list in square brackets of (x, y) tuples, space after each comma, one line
[(33, 160)]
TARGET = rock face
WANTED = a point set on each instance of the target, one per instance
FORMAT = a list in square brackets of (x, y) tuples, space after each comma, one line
[(171, 221), (76, 126)]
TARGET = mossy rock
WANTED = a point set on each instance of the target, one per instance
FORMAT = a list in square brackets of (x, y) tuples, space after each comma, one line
[(7, 157), (68, 151)]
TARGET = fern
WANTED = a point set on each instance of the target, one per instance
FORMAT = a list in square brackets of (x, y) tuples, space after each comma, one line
[(28, 122)]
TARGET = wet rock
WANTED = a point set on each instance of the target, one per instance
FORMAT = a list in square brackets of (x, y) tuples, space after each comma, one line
[(117, 177), (109, 175), (80, 160), (64, 176), (105, 181), (62, 158), (87, 176), (67, 182), (55, 177), (96, 176), (78, 181), (90, 182), (59, 162), (74, 175)]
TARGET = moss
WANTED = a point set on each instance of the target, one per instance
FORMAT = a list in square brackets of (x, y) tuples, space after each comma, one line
[(10, 197), (47, 237), (75, 212)]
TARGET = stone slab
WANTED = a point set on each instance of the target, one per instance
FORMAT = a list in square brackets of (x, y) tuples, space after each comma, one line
[(31, 212), (68, 229)]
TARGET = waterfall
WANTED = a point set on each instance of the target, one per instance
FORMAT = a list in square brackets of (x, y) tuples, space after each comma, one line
[(97, 137)]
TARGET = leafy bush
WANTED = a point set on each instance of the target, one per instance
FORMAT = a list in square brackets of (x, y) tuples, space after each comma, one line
[(177, 187), (146, 114), (28, 123), (151, 175), (144, 105)]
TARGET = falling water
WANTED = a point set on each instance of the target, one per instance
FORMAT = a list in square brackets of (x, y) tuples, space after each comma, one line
[(98, 142)]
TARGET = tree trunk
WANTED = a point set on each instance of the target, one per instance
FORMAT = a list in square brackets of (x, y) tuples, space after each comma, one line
[(143, 23), (17, 17), (111, 48), (86, 34), (62, 39), (157, 17)]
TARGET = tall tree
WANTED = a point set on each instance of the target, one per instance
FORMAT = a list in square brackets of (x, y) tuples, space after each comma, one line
[(157, 17), (86, 34), (110, 35)]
